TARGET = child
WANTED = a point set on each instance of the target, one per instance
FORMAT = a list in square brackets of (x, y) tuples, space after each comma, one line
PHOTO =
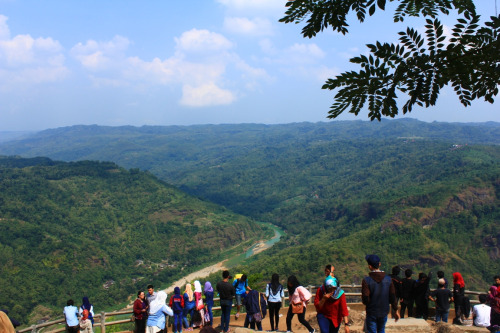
[(443, 297), (177, 305)]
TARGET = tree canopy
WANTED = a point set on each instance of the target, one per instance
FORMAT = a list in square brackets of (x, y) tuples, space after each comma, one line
[(418, 66)]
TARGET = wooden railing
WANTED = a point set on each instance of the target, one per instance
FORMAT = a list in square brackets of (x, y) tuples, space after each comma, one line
[(100, 319)]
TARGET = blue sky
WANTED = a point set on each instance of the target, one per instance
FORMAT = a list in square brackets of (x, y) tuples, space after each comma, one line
[(125, 62)]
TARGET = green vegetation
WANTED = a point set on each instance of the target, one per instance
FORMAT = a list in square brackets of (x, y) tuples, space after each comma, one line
[(421, 204), (88, 228), (424, 196)]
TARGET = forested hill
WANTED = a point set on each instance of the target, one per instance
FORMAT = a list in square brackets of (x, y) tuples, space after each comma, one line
[(424, 196), (93, 228), (167, 151)]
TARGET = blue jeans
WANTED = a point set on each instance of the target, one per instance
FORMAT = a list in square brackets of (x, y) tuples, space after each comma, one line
[(210, 313), (326, 325), (442, 315), (375, 324), (185, 312), (177, 321), (225, 308)]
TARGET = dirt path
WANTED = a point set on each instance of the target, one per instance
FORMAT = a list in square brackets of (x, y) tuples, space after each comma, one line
[(204, 272)]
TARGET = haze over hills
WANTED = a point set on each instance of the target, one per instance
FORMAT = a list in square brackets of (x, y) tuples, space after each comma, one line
[(425, 196)]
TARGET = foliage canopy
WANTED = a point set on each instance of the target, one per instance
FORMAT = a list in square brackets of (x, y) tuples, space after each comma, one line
[(417, 66)]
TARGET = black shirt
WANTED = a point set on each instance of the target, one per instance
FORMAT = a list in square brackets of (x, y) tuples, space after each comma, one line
[(226, 290), (442, 297)]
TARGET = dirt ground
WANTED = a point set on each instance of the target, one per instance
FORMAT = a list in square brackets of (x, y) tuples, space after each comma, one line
[(356, 317)]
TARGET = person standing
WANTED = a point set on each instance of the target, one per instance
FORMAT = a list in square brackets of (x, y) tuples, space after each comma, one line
[(189, 307), (407, 299), (274, 294), (158, 309), (150, 296), (495, 309), (397, 282), (139, 309), (378, 294), (255, 305), (299, 297), (87, 306), (331, 307), (208, 291), (85, 323), (241, 286), (442, 297), (226, 293), (177, 305), (421, 292), (458, 297), (440, 275), (71, 315)]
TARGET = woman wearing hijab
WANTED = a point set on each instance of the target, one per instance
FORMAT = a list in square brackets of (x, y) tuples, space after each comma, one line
[(299, 297), (87, 306), (85, 323), (140, 313), (458, 297), (199, 312), (158, 309), (274, 294), (189, 306), (209, 300), (494, 301), (5, 323), (197, 295), (331, 306)]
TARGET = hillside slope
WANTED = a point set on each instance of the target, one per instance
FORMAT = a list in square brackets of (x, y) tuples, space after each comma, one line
[(87, 228), (424, 196)]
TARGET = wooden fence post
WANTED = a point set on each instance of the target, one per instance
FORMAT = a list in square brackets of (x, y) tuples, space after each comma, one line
[(103, 322), (33, 329)]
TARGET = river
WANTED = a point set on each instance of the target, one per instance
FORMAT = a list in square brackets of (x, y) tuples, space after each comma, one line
[(232, 261)]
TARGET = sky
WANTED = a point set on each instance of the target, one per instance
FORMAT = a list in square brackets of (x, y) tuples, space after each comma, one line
[(68, 62)]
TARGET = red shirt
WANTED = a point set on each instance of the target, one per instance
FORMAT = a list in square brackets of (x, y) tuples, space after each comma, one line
[(138, 306), (333, 309)]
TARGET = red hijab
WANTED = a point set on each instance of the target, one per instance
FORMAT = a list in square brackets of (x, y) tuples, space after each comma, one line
[(457, 279)]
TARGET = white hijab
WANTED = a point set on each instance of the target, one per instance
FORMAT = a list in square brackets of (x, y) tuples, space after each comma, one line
[(158, 302), (197, 286)]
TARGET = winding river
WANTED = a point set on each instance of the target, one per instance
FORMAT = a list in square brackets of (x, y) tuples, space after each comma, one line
[(232, 261)]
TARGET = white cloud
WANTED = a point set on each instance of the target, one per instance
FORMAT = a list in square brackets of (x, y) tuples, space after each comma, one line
[(270, 7), (202, 41), (26, 60), (245, 26), (95, 55), (4, 28), (202, 64), (305, 51), (208, 94)]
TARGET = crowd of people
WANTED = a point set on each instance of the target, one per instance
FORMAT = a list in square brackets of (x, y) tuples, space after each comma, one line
[(380, 292)]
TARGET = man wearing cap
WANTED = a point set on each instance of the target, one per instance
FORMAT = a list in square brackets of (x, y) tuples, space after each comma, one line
[(377, 293)]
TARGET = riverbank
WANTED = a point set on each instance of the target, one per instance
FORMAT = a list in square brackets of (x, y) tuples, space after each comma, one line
[(256, 248)]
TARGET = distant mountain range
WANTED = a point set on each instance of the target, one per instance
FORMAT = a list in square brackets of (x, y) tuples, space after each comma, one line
[(422, 195)]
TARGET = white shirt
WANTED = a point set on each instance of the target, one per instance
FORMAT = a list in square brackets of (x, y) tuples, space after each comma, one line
[(481, 315)]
